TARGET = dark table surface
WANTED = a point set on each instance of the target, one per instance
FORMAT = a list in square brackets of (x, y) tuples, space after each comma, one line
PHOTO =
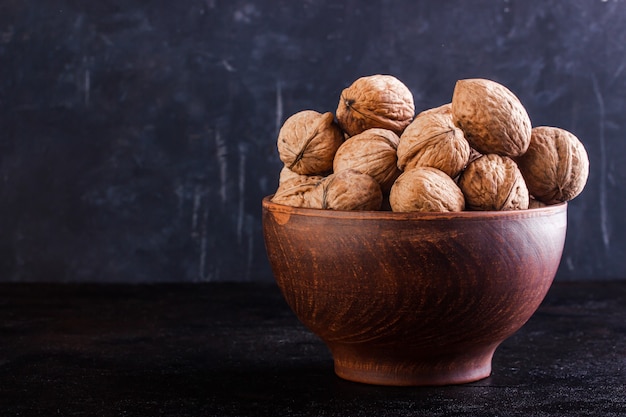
[(237, 350)]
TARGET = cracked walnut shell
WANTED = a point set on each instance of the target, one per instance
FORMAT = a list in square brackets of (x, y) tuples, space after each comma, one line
[(346, 190), (491, 117), (555, 166), (425, 189), (375, 101), (307, 142), (372, 152), (494, 182), (433, 140)]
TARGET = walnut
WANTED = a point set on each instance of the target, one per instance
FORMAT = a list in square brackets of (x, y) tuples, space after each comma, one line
[(346, 190), (295, 191), (474, 155), (371, 152), (494, 182), (307, 142), (534, 203), (433, 140), (425, 189), (555, 166), (375, 101), (288, 175), (491, 117)]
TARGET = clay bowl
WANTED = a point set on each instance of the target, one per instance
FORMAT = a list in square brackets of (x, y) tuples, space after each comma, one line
[(412, 298)]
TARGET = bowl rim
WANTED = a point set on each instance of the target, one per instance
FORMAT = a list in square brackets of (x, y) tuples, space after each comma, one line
[(271, 206)]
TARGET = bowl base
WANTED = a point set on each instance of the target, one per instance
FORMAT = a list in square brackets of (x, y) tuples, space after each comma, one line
[(399, 369)]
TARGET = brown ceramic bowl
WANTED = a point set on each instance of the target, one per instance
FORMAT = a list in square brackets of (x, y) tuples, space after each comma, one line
[(413, 298)]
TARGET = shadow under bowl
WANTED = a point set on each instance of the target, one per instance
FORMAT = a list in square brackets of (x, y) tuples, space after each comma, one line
[(413, 298)]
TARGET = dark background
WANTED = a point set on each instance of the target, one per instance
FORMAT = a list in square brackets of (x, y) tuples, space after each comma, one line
[(137, 139)]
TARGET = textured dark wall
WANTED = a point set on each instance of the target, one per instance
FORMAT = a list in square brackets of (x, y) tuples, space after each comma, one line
[(138, 138)]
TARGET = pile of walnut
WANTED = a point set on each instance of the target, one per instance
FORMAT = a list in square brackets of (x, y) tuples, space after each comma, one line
[(479, 152)]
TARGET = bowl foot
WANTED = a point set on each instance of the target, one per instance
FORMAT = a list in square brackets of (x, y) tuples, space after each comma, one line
[(388, 367)]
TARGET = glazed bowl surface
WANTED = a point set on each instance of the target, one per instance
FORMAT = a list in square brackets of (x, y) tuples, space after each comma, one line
[(413, 298)]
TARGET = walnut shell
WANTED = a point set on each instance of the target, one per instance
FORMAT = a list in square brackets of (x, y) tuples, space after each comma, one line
[(491, 117), (494, 182), (555, 166), (295, 191), (346, 190), (371, 152), (288, 175), (474, 155), (534, 203), (433, 140), (375, 101), (307, 142), (426, 189)]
